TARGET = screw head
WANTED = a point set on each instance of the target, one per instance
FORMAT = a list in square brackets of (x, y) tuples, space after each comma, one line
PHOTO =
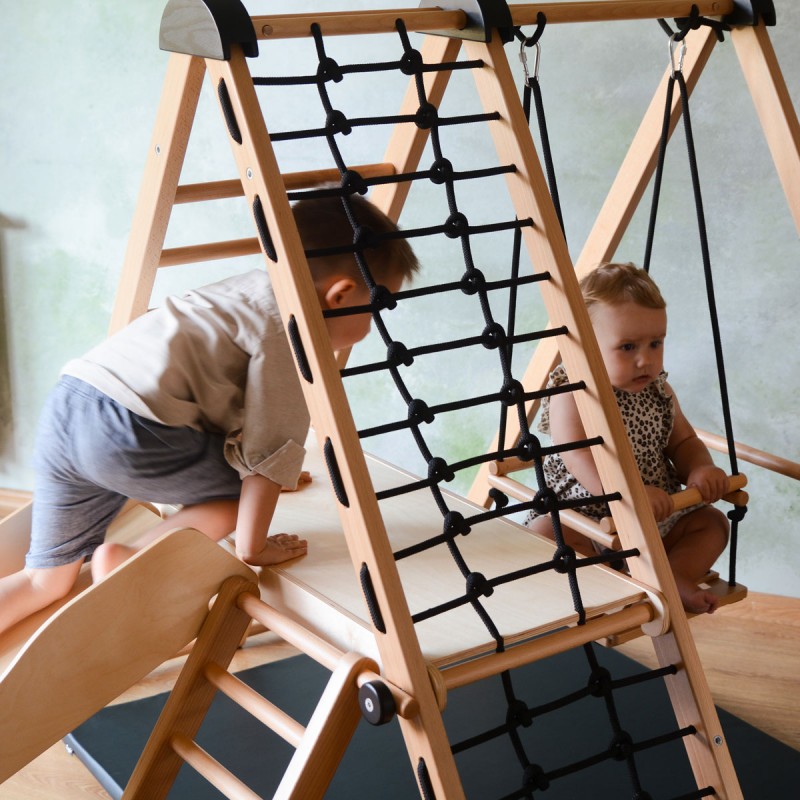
[(249, 173), (718, 741)]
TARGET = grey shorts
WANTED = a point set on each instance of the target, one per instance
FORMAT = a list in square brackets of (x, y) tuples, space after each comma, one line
[(92, 454)]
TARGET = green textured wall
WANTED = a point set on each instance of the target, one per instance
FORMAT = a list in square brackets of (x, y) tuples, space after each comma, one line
[(81, 85)]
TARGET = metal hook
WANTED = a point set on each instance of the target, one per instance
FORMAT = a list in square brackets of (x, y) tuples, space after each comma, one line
[(523, 57), (673, 41)]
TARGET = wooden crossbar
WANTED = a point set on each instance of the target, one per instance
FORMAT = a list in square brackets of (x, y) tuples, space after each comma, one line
[(348, 23)]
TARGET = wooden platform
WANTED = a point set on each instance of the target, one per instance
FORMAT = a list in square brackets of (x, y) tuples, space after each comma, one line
[(322, 587)]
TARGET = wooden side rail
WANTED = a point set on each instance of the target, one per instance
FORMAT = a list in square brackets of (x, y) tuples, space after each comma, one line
[(752, 455)]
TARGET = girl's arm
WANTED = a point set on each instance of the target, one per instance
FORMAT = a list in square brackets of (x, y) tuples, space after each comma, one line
[(692, 460), (566, 426)]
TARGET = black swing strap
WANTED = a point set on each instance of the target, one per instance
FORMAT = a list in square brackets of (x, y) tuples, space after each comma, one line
[(677, 42)]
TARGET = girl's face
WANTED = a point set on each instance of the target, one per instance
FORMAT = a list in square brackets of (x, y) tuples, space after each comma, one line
[(631, 339)]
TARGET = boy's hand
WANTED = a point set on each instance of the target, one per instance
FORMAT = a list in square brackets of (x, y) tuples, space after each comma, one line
[(277, 549), (660, 502), (710, 481), (305, 478)]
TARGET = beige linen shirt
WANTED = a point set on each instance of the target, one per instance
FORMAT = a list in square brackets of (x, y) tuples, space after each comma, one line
[(216, 359)]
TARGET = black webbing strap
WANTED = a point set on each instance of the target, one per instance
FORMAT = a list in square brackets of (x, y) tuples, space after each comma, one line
[(676, 77)]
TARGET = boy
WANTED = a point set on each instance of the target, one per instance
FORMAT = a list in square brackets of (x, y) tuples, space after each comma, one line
[(196, 403)]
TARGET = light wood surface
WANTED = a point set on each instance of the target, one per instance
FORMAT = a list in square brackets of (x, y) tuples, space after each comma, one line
[(323, 590), (106, 640)]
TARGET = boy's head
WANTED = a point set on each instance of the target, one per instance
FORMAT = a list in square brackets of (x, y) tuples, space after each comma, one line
[(629, 319), (323, 224)]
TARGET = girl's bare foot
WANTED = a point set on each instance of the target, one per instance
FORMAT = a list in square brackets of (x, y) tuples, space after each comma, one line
[(696, 600), (108, 557)]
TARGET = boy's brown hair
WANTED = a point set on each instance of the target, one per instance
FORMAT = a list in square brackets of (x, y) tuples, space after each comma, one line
[(323, 223), (620, 283)]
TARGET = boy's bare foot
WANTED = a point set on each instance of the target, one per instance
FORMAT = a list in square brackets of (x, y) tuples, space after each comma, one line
[(277, 549), (696, 600), (108, 557)]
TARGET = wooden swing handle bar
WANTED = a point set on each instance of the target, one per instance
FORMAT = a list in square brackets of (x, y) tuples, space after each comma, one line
[(691, 496)]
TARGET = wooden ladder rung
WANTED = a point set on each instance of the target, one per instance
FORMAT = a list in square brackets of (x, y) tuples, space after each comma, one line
[(307, 179), (233, 248)]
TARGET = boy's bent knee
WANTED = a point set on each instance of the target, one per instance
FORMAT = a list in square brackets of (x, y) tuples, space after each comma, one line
[(53, 583)]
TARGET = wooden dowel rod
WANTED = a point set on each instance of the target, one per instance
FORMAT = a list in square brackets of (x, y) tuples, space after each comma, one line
[(406, 705), (752, 455), (573, 519), (312, 645), (292, 26), (211, 769), (508, 465), (307, 179), (333, 23), (234, 248), (277, 720), (545, 646), (614, 10), (689, 497)]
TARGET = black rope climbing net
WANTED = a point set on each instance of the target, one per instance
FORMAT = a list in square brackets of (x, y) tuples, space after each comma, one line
[(507, 396)]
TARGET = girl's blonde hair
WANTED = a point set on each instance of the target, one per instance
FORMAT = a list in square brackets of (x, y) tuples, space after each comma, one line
[(620, 283)]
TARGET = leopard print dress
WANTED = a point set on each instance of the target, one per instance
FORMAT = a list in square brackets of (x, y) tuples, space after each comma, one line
[(648, 416)]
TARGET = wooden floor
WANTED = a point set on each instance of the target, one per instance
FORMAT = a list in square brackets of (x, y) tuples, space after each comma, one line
[(750, 651)]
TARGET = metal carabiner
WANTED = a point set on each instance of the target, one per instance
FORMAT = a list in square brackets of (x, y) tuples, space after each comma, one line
[(523, 57), (681, 54)]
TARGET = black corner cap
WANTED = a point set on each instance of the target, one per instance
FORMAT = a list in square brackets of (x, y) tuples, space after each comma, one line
[(207, 28), (751, 12), (482, 17)]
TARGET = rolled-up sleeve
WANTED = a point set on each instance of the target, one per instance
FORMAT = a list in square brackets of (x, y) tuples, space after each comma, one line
[(274, 418)]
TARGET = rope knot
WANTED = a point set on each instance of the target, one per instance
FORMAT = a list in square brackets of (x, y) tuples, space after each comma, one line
[(534, 777), (441, 171), (426, 117), (512, 393), (381, 298), (455, 524), (519, 714), (472, 281), (478, 586), (329, 70), (621, 746), (336, 122), (736, 514), (353, 183), (528, 449), (545, 501), (439, 470), (599, 683), (500, 499), (411, 62), (494, 336), (418, 411), (397, 354), (365, 238), (456, 225), (564, 560)]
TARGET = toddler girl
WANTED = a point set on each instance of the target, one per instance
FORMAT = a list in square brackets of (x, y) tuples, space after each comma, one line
[(629, 319)]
